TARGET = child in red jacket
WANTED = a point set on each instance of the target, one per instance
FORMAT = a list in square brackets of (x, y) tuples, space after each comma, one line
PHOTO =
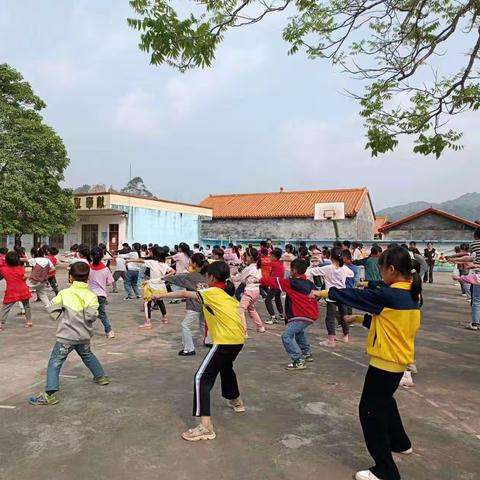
[(17, 290), (301, 311)]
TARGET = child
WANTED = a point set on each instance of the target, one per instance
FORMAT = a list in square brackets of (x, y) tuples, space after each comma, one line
[(276, 271), (301, 312), (120, 272), (370, 264), (250, 276), (287, 258), (393, 320), (158, 269), (133, 272), (17, 289), (192, 281), (222, 315), (470, 279), (52, 274), (75, 308), (335, 275), (41, 267), (100, 277)]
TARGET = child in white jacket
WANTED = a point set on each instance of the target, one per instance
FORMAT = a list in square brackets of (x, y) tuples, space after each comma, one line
[(335, 275)]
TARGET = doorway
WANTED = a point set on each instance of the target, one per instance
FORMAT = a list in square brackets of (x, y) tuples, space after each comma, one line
[(113, 236)]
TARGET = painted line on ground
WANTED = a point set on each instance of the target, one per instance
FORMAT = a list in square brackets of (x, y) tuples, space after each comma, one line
[(115, 353), (8, 407), (68, 376), (450, 414), (418, 394), (432, 403)]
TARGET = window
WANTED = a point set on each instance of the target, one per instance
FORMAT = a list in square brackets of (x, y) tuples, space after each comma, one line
[(90, 234), (56, 241), (3, 240)]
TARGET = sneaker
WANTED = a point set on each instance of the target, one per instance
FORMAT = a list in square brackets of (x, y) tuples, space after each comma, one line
[(269, 322), (406, 452), (145, 326), (175, 302), (407, 380), (114, 291), (208, 345), (464, 295), (297, 365), (344, 339), (44, 399), (261, 330), (182, 353), (198, 433), (110, 334), (103, 380), (472, 326), (327, 343), (365, 475), (237, 405), (128, 298), (139, 296), (308, 357)]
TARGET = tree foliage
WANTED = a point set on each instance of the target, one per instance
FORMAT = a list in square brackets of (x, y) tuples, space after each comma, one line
[(137, 187), (398, 47), (32, 163)]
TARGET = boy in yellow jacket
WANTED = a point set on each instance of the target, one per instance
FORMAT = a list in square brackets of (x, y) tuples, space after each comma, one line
[(393, 319)]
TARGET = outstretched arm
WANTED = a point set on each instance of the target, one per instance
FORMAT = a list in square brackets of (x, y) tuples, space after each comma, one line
[(179, 294)]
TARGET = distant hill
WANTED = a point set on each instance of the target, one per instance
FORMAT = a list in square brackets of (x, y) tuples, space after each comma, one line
[(467, 206)]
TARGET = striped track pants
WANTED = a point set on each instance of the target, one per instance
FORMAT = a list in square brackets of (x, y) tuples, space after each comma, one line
[(218, 360)]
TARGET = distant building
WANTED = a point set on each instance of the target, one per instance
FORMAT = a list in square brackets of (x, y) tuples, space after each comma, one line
[(430, 225), (380, 221), (114, 218), (287, 217)]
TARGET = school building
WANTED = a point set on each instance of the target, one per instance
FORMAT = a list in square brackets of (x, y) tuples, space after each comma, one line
[(115, 217), (287, 217), (430, 225)]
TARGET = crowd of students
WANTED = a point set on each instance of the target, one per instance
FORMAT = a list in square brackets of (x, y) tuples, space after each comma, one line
[(221, 288)]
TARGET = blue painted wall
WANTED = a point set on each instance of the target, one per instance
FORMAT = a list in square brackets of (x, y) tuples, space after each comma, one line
[(145, 225)]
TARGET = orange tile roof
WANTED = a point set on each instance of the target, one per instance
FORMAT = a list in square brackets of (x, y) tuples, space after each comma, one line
[(380, 221), (425, 212), (283, 204)]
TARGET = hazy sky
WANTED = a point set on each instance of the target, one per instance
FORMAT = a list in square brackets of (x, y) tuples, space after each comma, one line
[(256, 121)]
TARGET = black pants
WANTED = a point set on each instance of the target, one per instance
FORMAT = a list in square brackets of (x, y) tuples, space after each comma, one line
[(53, 283), (160, 304), (428, 277), (381, 422), (218, 360), (330, 319), (271, 294)]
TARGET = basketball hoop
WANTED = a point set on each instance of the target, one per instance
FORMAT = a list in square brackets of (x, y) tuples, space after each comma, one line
[(329, 211)]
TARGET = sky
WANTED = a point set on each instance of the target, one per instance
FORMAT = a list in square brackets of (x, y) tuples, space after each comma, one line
[(256, 121)]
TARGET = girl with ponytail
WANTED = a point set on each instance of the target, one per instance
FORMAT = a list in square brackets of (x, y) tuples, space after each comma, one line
[(222, 316), (250, 277), (393, 318), (100, 277)]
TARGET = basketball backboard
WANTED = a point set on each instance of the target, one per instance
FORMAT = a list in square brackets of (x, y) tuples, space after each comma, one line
[(329, 211)]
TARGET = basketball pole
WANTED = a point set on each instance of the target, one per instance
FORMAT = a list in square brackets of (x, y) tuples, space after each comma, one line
[(335, 227)]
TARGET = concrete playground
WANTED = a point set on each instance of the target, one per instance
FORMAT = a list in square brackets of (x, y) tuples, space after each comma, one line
[(298, 425)]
